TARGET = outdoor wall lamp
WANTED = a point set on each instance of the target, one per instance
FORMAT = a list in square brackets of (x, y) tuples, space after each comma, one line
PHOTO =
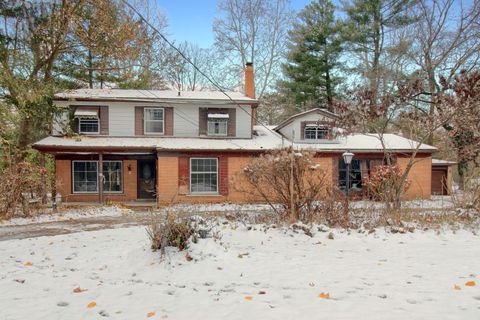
[(129, 168), (347, 158)]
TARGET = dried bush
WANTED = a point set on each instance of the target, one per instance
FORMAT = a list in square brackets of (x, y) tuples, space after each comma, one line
[(169, 231), (21, 184), (385, 182), (291, 182), (469, 198)]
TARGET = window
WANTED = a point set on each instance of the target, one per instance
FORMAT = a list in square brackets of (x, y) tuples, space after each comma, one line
[(112, 172), (203, 175), (355, 175), (153, 120), (217, 127), (85, 178), (316, 133), (88, 125)]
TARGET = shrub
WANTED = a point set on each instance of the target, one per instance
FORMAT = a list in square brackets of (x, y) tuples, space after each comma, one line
[(21, 183), (169, 231), (291, 182), (385, 182)]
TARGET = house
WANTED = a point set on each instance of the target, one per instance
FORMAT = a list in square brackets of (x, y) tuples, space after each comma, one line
[(186, 146)]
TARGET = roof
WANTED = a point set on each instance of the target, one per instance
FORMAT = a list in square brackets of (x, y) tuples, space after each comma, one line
[(439, 162), (367, 143), (151, 95), (322, 111), (264, 140)]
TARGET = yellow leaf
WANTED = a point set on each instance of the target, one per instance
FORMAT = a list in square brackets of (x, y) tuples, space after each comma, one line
[(91, 305), (78, 290), (470, 284), (324, 295), (457, 287), (248, 298), (28, 264), (150, 314)]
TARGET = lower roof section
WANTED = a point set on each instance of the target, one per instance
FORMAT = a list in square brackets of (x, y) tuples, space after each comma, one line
[(264, 139)]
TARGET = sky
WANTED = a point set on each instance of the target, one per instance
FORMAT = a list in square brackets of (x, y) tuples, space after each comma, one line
[(191, 20)]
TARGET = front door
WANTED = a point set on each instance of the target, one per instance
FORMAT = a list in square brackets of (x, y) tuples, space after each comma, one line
[(146, 182)]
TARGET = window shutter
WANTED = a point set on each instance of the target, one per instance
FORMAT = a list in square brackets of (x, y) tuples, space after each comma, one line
[(184, 173), (139, 121), (202, 121), (104, 120), (223, 175), (303, 124), (232, 122), (336, 170), (168, 121)]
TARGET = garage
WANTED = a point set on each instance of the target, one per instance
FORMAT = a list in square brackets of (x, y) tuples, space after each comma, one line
[(442, 177)]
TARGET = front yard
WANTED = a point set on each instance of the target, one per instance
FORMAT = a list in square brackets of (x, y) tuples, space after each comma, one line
[(245, 271)]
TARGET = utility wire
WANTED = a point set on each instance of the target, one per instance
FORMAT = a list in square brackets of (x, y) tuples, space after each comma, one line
[(191, 62)]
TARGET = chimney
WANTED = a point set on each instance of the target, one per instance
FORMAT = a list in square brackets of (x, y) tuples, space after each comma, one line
[(249, 81)]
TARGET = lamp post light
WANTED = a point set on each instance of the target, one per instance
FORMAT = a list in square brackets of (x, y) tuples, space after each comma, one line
[(347, 158)]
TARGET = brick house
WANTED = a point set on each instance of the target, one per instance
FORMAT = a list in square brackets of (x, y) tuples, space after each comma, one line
[(186, 146)]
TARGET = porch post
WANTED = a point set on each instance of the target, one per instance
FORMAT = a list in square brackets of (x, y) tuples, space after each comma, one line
[(100, 177)]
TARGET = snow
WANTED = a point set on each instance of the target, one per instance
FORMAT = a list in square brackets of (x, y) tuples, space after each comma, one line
[(358, 142), (368, 276), (265, 141), (68, 214), (152, 95)]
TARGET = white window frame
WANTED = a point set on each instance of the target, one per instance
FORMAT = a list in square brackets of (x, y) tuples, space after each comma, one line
[(96, 191), (190, 177), (317, 128), (80, 119), (145, 121), (210, 122)]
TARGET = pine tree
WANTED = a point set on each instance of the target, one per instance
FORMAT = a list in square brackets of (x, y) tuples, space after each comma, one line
[(314, 49)]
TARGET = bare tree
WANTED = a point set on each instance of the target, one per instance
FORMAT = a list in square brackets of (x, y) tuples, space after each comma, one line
[(253, 31), (446, 40)]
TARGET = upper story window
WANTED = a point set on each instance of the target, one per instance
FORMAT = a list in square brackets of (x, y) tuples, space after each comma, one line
[(217, 124), (316, 132), (154, 120), (88, 121)]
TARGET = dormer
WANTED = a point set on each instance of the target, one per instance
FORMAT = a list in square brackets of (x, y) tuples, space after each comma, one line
[(313, 126)]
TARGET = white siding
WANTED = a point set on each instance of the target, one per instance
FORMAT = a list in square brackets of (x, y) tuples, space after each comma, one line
[(121, 119), (244, 122), (185, 121), (295, 127)]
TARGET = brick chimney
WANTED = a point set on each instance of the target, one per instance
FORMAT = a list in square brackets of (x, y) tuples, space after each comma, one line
[(249, 81)]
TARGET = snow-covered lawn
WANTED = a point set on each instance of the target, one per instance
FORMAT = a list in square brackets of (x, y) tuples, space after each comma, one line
[(247, 274)]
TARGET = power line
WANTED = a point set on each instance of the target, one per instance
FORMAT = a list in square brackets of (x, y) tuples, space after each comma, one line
[(191, 62)]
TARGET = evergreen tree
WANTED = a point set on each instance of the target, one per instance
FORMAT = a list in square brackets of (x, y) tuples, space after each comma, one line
[(314, 49)]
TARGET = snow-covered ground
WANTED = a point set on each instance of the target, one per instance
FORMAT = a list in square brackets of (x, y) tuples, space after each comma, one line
[(244, 274)]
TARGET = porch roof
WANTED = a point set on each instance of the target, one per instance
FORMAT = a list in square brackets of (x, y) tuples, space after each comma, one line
[(264, 139)]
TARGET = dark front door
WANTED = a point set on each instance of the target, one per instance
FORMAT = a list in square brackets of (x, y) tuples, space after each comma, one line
[(146, 182)]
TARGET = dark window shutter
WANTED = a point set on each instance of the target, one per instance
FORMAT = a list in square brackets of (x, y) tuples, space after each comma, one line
[(223, 175), (336, 171), (104, 120), (202, 121), (184, 171), (168, 121), (139, 121), (303, 124), (232, 122)]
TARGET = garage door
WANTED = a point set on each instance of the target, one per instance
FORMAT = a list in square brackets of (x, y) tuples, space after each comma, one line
[(439, 179)]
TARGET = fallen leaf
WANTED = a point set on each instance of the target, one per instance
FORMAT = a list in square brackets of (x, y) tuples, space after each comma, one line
[(150, 314), (28, 264), (248, 298), (50, 243), (311, 284), (19, 280), (470, 284), (91, 305), (457, 287), (78, 290), (188, 257), (262, 292), (324, 295)]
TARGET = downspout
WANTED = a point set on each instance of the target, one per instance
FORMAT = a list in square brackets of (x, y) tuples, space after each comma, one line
[(100, 177)]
